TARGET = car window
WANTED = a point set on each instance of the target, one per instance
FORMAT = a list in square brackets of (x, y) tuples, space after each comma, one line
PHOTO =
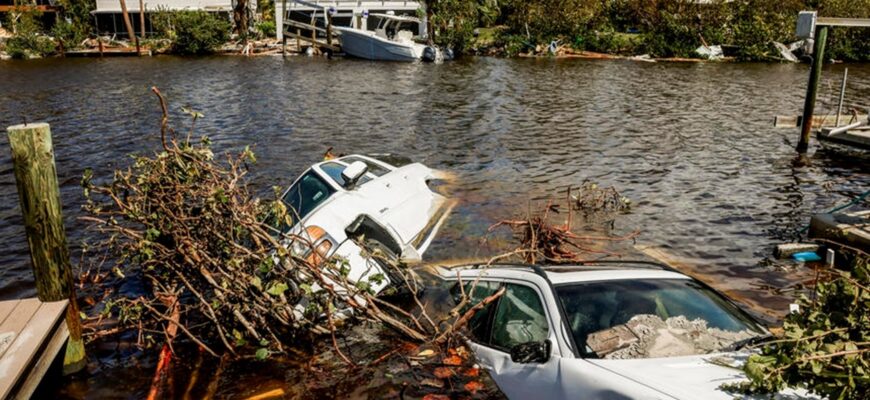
[(374, 168), (478, 325), (519, 318), (598, 310), (334, 171), (306, 194)]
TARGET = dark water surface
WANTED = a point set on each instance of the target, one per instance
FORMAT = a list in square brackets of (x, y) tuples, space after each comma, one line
[(691, 144)]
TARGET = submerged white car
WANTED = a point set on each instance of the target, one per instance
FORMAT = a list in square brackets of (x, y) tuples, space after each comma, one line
[(624, 330), (384, 200)]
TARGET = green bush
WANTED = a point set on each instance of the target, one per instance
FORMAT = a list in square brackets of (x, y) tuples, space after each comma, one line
[(199, 32), (191, 32), (267, 28), (69, 34), (27, 40)]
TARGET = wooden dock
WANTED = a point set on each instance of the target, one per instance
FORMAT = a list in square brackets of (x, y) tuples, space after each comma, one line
[(32, 333), (857, 137), (848, 228)]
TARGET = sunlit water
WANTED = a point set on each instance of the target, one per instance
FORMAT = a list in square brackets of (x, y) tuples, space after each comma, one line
[(693, 145)]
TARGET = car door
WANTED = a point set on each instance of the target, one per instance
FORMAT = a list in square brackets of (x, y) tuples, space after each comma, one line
[(518, 317)]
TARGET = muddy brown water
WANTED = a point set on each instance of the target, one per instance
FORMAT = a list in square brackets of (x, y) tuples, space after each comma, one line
[(692, 145)]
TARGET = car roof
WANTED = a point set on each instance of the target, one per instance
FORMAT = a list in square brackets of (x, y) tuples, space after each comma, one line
[(567, 274)]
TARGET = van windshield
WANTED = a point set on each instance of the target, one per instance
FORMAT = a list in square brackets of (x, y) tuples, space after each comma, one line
[(651, 318), (306, 194)]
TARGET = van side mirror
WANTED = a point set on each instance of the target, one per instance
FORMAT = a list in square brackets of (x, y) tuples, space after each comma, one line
[(532, 352), (353, 173)]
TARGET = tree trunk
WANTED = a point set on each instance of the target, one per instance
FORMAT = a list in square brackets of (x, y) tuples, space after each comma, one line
[(240, 17), (131, 35)]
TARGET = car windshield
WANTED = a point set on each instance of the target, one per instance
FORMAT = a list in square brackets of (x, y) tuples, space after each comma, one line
[(651, 318), (306, 194)]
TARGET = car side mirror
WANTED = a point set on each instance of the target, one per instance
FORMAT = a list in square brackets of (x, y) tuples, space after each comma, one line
[(353, 173), (532, 352)]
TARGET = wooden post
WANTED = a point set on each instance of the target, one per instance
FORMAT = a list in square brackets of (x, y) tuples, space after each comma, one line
[(328, 28), (298, 40), (842, 96), (821, 37), (100, 46), (142, 19), (130, 33), (39, 195)]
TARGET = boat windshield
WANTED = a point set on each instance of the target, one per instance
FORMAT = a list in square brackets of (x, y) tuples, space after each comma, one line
[(305, 195), (651, 318)]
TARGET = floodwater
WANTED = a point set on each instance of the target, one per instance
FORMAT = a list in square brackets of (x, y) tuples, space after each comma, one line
[(692, 145)]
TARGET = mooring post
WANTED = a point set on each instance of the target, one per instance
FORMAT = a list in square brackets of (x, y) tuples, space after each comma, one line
[(328, 28), (39, 195), (821, 37), (842, 96)]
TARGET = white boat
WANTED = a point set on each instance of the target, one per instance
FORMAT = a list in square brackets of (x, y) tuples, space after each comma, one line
[(393, 40)]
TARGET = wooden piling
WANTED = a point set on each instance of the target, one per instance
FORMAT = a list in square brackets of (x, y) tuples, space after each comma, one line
[(821, 37), (842, 96), (130, 33), (142, 19), (328, 28), (39, 195)]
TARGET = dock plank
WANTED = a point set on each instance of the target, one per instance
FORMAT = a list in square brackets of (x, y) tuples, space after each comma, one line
[(6, 308), (34, 323), (18, 319)]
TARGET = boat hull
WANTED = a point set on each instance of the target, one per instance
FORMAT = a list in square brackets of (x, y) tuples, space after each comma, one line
[(364, 44)]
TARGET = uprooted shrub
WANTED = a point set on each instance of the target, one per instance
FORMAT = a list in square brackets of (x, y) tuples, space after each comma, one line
[(183, 224)]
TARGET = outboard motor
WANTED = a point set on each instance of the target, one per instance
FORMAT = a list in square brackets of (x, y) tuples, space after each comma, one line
[(430, 54), (448, 54)]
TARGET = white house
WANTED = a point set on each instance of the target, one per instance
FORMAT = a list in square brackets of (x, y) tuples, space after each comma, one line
[(108, 17)]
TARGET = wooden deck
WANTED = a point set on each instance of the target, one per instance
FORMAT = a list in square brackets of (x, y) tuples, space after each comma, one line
[(32, 333)]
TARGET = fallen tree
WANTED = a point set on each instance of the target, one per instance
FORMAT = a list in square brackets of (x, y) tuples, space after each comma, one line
[(183, 224)]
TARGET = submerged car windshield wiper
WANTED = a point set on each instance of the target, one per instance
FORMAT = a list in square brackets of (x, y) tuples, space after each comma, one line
[(741, 344)]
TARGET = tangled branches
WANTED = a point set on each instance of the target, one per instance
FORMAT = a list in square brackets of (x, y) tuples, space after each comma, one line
[(543, 242), (184, 225)]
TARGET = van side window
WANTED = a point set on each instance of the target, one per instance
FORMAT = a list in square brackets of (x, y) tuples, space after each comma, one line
[(519, 318), (478, 326)]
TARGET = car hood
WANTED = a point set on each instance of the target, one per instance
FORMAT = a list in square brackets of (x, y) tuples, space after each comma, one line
[(688, 377)]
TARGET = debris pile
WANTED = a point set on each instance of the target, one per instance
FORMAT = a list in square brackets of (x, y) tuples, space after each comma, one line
[(541, 241), (183, 228), (648, 336)]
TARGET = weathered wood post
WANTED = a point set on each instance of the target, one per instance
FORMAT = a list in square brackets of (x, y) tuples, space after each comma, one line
[(821, 37), (142, 19), (328, 28), (39, 195)]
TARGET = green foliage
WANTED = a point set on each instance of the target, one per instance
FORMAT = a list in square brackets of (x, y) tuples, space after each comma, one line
[(27, 40), (80, 19), (453, 22), (544, 20), (69, 34), (826, 346), (191, 32), (267, 29)]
